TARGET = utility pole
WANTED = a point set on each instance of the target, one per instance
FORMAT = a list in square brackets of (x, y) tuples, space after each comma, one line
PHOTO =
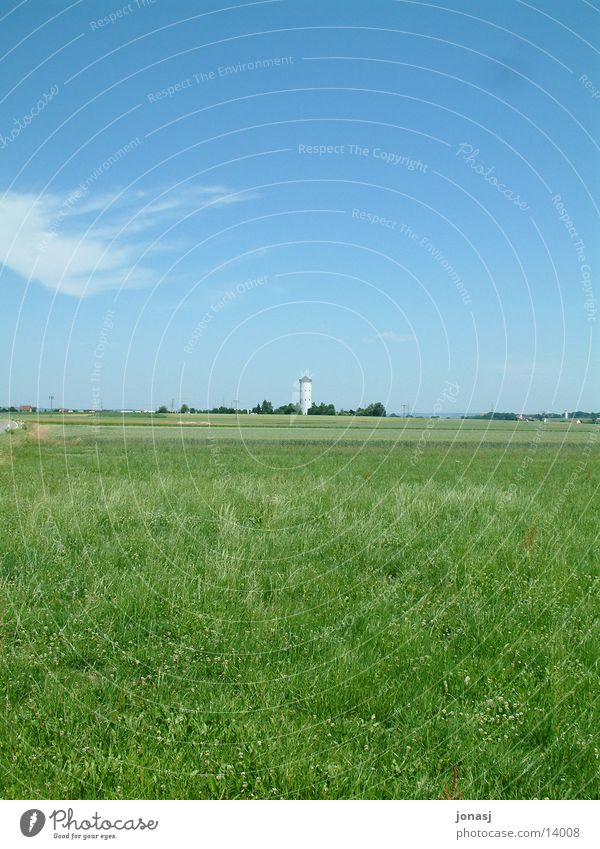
[(51, 402), (404, 406), (172, 405)]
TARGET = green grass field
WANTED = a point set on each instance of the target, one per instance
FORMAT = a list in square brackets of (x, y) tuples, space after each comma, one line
[(323, 609)]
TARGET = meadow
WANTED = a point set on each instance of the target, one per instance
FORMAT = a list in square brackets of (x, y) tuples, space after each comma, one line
[(324, 609)]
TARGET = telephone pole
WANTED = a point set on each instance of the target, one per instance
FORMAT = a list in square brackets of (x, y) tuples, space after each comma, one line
[(51, 402)]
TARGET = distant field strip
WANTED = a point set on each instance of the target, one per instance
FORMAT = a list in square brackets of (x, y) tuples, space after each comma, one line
[(192, 433)]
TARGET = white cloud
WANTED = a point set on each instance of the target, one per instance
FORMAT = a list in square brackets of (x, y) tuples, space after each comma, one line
[(54, 239)]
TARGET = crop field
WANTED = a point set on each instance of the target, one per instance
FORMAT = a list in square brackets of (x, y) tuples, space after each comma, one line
[(267, 608)]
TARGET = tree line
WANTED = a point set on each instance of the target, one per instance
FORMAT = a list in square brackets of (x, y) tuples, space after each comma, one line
[(266, 408), (322, 409), (513, 417)]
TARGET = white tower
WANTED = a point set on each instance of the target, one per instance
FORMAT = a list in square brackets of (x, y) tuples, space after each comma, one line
[(305, 394)]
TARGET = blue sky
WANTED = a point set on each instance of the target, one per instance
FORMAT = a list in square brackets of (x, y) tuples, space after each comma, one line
[(201, 203)]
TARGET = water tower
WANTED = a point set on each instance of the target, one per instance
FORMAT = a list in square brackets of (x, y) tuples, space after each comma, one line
[(305, 394)]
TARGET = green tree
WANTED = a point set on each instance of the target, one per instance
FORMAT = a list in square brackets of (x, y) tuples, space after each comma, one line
[(321, 410), (287, 409), (376, 409), (162, 409), (184, 408)]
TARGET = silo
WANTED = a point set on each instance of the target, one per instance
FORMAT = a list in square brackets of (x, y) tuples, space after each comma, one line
[(305, 394)]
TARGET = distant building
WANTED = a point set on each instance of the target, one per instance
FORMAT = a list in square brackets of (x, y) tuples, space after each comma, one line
[(25, 408), (305, 394)]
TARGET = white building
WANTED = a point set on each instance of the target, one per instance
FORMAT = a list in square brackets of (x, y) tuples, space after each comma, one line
[(305, 394)]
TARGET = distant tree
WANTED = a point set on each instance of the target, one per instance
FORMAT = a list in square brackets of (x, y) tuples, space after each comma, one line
[(287, 409), (376, 409), (184, 408), (162, 409), (503, 417), (321, 410), (583, 414), (264, 408)]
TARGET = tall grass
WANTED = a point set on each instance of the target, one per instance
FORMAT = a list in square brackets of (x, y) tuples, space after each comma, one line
[(297, 621)]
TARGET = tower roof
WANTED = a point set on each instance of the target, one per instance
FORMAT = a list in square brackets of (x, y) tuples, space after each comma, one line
[(306, 379)]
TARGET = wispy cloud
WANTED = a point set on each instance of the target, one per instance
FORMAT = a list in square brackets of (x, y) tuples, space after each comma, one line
[(80, 244)]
